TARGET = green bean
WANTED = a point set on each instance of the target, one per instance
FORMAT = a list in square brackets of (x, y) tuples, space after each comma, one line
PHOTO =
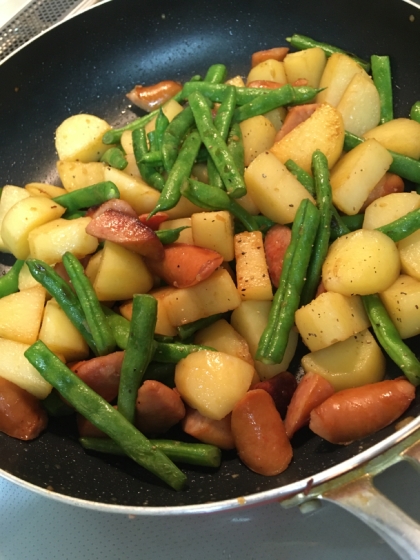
[(61, 291), (114, 135), (151, 140), (285, 95), (172, 353), (236, 147), (274, 339), (162, 123), (119, 325), (95, 317), (353, 222), (74, 215), (186, 331), (415, 112), (201, 454), (150, 175), (216, 146), (174, 135), (301, 175), (115, 158), (381, 74), (103, 415), (152, 158), (9, 282), (390, 339), (161, 371), (404, 166), (88, 196), (212, 198), (216, 74), (138, 353), (179, 173), (324, 202), (170, 235), (56, 406), (302, 42), (402, 227)]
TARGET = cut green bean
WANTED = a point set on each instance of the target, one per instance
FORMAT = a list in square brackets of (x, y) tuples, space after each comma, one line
[(103, 415), (187, 331), (161, 371), (390, 339), (302, 42), (152, 158), (274, 339), (404, 166), (95, 317), (353, 222), (324, 202), (235, 146), (415, 112), (381, 74), (140, 149), (115, 158), (119, 325), (216, 74), (274, 98), (174, 136), (179, 173), (88, 196), (402, 227), (138, 353), (9, 282), (113, 136), (172, 353), (216, 146), (201, 454), (301, 175), (61, 291), (170, 235), (162, 123)]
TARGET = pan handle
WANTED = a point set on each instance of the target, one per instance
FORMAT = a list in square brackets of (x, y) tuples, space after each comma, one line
[(354, 491)]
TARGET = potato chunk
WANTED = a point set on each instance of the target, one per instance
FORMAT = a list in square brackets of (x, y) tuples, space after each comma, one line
[(252, 277), (9, 196), (76, 175), (79, 138), (308, 64), (351, 363), (402, 301), (214, 230), (212, 382), (360, 105), (270, 69), (399, 135), (21, 314), (337, 75), (386, 209), (330, 318), (360, 263), (258, 135)]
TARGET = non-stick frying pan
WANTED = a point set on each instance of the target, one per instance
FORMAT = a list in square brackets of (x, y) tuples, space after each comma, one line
[(87, 65)]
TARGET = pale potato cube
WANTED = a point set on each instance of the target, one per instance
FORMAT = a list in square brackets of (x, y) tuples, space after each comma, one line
[(360, 105), (402, 301), (386, 209), (236, 81), (79, 138), (60, 335), (120, 274), (271, 70), (26, 280), (250, 320), (9, 196), (132, 168), (23, 217), (409, 249), (127, 142), (252, 277), (273, 189), (330, 318), (15, 368), (44, 189), (354, 362), (183, 209), (212, 382), (360, 263), (214, 230), (186, 235), (133, 190), (92, 267), (258, 135), (50, 241), (355, 175), (276, 117), (171, 109), (399, 135), (76, 175), (308, 64), (323, 130), (21, 314), (248, 204), (216, 294), (337, 75)]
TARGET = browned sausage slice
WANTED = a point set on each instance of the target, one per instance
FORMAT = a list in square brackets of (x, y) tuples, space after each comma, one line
[(281, 387), (158, 408), (277, 53), (207, 430), (127, 231), (21, 414), (295, 116), (276, 243), (102, 374), (259, 434), (153, 96), (356, 413), (113, 204), (390, 183)]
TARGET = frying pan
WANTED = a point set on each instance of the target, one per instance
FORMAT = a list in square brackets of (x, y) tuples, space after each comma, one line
[(87, 65)]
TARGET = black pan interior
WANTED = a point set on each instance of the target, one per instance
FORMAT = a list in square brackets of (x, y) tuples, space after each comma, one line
[(87, 65)]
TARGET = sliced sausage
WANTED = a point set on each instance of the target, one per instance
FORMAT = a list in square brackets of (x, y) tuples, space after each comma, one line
[(153, 96), (185, 265), (352, 414), (158, 408), (281, 387), (276, 243), (269, 84), (207, 430), (102, 374), (21, 414), (277, 53), (312, 390), (113, 204), (295, 116), (390, 183), (259, 434), (127, 231), (154, 221)]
